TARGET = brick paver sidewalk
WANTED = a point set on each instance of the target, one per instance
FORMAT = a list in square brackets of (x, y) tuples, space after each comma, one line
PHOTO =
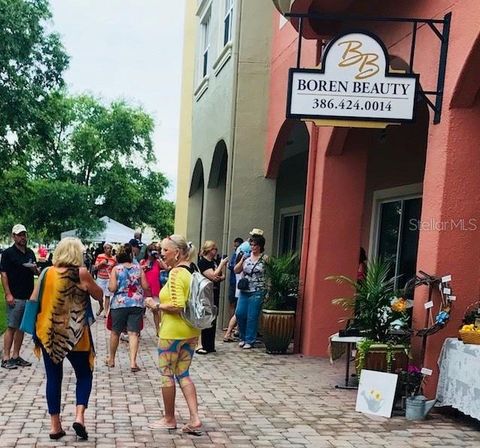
[(247, 399)]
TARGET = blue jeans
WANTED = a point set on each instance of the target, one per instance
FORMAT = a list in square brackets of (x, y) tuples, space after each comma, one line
[(248, 311)]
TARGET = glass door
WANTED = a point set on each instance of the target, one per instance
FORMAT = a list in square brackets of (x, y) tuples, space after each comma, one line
[(397, 236)]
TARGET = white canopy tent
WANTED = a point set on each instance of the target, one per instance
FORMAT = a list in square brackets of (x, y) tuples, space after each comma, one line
[(114, 232)]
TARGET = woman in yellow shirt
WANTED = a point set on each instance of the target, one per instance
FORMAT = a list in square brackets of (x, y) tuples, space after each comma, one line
[(177, 340)]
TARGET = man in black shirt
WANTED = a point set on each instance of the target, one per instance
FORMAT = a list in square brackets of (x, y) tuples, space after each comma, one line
[(18, 266)]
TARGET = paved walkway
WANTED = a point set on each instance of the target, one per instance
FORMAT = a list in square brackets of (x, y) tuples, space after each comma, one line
[(247, 399)]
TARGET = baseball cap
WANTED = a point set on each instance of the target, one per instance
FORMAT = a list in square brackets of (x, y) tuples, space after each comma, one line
[(255, 231), (134, 242), (18, 228)]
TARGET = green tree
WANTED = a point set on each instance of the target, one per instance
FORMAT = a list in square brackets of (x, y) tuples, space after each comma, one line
[(108, 150), (54, 206), (32, 61)]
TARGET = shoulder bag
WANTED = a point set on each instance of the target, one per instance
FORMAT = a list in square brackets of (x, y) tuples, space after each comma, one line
[(244, 283), (32, 307)]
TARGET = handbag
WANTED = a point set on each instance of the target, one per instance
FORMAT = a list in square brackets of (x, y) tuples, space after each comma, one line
[(244, 284), (32, 308)]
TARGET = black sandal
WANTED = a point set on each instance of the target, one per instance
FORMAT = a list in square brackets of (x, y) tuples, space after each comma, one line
[(57, 435), (80, 431), (201, 351)]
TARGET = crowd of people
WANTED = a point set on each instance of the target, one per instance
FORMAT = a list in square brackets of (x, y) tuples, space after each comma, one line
[(125, 281)]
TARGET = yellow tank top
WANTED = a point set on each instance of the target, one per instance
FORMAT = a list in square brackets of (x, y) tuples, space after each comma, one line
[(175, 292)]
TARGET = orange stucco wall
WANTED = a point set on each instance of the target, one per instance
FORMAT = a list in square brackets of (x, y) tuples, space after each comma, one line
[(340, 180)]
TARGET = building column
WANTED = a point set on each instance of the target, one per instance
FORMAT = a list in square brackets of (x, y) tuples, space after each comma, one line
[(450, 225), (334, 206)]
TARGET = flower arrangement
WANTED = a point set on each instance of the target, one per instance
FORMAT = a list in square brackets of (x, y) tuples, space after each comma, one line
[(411, 380), (376, 308), (470, 331), (472, 314)]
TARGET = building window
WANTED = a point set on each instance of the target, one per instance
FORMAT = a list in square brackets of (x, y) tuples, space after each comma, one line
[(397, 236), (227, 22), (205, 48), (290, 233)]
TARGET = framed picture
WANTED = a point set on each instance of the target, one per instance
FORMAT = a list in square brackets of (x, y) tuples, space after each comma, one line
[(376, 391)]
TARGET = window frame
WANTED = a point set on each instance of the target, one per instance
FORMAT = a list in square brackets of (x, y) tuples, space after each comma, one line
[(286, 213), (228, 13), (205, 43), (403, 193)]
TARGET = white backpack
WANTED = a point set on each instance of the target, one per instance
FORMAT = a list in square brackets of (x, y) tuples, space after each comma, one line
[(200, 310)]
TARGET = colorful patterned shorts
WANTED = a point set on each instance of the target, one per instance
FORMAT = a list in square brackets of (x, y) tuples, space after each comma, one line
[(174, 359)]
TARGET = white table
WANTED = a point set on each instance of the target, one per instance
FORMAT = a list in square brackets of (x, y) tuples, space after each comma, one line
[(459, 380), (351, 341)]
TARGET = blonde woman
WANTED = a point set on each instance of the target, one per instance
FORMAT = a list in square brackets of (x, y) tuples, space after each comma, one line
[(208, 266), (63, 330), (177, 340)]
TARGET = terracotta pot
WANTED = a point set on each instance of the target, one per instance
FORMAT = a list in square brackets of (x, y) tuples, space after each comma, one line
[(277, 329)]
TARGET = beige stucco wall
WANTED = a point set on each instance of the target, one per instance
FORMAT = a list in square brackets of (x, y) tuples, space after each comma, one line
[(212, 119), (185, 138), (252, 195), (233, 108)]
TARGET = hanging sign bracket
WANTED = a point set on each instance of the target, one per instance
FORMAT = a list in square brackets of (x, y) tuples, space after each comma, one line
[(443, 35)]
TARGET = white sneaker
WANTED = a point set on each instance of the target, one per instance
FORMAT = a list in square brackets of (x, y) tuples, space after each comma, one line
[(241, 343), (247, 346)]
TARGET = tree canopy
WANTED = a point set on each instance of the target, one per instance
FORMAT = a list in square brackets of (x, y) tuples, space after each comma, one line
[(67, 160)]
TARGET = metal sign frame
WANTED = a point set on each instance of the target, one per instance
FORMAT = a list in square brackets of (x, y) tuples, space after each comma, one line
[(443, 35)]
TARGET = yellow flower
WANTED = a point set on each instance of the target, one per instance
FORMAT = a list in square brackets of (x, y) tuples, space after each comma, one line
[(399, 305), (376, 394)]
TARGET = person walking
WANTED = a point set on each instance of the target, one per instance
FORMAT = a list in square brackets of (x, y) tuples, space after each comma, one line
[(208, 266), (104, 264), (142, 248), (127, 283), (252, 295), (18, 267), (152, 266), (62, 330), (177, 340)]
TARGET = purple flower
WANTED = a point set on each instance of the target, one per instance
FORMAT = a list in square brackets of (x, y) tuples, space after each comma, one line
[(413, 369)]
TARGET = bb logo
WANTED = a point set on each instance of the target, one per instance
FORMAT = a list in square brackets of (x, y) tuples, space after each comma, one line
[(353, 56)]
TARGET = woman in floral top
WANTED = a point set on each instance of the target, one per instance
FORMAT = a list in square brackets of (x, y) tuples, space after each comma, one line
[(250, 301), (127, 283)]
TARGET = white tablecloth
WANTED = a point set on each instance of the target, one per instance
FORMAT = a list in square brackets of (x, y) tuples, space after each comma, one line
[(459, 381)]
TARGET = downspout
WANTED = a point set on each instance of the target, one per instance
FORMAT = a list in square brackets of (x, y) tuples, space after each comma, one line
[(312, 166), (228, 195)]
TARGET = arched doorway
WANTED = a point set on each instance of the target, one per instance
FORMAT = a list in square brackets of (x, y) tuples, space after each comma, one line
[(291, 174), (215, 198), (195, 204)]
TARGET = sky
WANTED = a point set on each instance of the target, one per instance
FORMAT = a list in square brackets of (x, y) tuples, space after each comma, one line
[(131, 50)]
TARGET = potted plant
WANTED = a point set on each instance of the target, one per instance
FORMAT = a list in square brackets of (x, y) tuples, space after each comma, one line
[(278, 314), (381, 317)]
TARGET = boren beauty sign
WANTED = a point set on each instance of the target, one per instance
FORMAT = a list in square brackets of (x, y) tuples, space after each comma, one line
[(353, 83)]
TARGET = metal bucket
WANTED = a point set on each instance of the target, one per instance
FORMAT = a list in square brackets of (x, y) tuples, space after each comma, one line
[(415, 408)]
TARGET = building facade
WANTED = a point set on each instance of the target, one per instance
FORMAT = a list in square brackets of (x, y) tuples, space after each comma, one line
[(228, 193), (410, 192)]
